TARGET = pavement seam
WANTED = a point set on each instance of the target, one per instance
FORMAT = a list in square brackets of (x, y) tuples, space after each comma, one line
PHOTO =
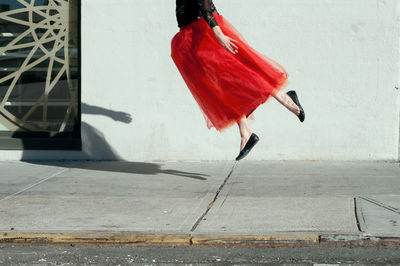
[(33, 185), (380, 204), (356, 214), (362, 221), (196, 224)]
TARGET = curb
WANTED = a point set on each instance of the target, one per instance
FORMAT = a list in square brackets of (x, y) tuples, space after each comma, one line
[(358, 240), (136, 239), (96, 238), (256, 240)]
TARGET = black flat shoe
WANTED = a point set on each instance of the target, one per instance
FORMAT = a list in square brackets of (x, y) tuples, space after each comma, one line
[(293, 95), (247, 148)]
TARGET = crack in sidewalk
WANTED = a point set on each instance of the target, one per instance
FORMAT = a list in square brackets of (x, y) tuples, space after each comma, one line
[(33, 185), (210, 205)]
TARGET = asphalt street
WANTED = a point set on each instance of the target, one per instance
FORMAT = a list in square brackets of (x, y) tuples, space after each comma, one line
[(67, 255)]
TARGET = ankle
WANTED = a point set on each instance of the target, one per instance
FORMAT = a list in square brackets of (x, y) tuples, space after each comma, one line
[(245, 134)]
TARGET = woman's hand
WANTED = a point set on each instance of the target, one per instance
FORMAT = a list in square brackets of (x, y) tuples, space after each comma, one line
[(226, 42)]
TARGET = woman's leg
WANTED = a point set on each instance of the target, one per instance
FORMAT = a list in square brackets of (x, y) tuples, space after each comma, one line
[(244, 130), (281, 97), (286, 101)]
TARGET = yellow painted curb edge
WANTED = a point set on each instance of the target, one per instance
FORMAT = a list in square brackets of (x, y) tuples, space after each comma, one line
[(134, 239), (141, 239), (95, 238)]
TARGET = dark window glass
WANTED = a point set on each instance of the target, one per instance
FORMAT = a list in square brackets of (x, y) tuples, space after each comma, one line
[(39, 70)]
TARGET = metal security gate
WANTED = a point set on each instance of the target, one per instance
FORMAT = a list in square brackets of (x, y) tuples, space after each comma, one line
[(39, 74)]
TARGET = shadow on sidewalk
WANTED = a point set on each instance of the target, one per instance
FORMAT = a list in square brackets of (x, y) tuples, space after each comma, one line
[(98, 155), (140, 168)]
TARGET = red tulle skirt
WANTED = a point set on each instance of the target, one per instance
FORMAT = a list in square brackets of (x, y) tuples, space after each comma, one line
[(226, 86)]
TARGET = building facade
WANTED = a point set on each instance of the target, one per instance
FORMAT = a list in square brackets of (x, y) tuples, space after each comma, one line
[(94, 79)]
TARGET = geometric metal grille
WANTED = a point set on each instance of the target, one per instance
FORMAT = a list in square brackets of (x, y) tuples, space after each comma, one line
[(39, 65)]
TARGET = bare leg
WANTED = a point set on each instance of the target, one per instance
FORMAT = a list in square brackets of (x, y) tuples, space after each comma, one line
[(281, 97), (286, 101), (244, 130)]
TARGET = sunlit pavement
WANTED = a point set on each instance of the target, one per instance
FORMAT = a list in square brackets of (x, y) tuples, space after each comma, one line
[(200, 203)]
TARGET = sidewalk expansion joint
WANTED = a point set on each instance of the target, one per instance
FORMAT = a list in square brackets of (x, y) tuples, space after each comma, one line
[(33, 185), (356, 215), (210, 205), (380, 204)]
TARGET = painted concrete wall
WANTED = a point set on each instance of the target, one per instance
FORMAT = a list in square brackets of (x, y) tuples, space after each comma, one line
[(342, 57)]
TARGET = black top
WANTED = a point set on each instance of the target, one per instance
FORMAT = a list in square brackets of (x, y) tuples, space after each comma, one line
[(188, 11)]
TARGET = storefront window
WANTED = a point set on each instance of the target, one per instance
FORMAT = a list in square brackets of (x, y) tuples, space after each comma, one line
[(39, 74)]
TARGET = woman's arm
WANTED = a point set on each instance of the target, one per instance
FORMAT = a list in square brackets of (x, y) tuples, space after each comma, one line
[(225, 41), (207, 12)]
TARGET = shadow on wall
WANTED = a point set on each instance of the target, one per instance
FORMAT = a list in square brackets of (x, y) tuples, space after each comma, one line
[(95, 147), (94, 144)]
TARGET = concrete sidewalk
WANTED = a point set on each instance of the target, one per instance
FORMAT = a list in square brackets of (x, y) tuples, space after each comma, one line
[(199, 202)]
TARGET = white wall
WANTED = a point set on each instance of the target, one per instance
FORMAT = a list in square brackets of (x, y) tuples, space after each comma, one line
[(342, 57)]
